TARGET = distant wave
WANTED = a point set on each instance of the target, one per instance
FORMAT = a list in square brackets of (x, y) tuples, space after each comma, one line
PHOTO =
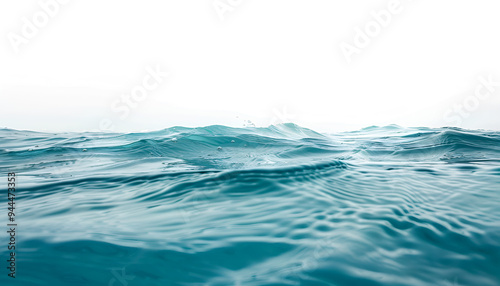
[(282, 205)]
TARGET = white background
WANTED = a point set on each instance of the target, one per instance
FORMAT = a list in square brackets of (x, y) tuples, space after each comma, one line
[(264, 61)]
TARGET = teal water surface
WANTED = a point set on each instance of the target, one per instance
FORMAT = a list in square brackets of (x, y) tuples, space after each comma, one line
[(282, 205)]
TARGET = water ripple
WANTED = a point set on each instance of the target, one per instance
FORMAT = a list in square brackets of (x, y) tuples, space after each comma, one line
[(282, 205)]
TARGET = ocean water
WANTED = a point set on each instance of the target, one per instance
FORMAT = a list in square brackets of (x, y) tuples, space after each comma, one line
[(282, 205)]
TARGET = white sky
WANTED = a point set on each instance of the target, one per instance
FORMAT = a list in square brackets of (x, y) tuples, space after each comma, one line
[(266, 61)]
